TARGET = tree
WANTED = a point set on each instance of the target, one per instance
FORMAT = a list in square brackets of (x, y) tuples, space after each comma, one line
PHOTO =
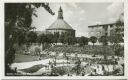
[(62, 37), (49, 38), (83, 41), (31, 37), (103, 40), (18, 18), (42, 39), (115, 40), (70, 40), (20, 38), (116, 37), (93, 39), (45, 40), (118, 50), (56, 37), (117, 33)]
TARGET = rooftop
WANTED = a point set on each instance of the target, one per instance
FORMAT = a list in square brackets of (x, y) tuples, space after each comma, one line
[(101, 24), (60, 23)]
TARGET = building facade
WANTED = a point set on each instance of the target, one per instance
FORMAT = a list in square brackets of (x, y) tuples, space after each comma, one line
[(106, 29)]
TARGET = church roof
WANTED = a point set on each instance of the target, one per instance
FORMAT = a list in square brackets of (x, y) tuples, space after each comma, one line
[(60, 23)]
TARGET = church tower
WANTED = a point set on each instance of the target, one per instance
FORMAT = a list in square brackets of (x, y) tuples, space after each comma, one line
[(60, 13)]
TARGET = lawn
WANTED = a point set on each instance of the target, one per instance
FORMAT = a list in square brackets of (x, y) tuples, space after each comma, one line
[(32, 69), (87, 49), (25, 58)]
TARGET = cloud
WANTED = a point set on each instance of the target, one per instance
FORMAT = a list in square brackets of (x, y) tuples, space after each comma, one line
[(73, 5), (82, 12), (115, 9), (41, 21), (98, 22), (81, 19), (112, 19)]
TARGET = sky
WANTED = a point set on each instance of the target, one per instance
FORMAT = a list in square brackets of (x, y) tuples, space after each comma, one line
[(79, 15)]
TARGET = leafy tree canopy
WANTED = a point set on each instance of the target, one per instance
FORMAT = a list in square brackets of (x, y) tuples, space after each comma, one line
[(93, 39)]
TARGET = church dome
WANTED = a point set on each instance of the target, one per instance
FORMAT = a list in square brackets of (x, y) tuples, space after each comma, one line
[(60, 24)]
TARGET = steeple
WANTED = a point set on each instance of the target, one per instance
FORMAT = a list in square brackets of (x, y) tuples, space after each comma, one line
[(60, 13)]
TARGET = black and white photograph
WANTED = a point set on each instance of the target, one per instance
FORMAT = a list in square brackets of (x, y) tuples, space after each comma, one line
[(64, 79), (64, 39)]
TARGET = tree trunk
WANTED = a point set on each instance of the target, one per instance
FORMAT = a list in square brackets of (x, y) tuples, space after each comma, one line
[(42, 46), (108, 67)]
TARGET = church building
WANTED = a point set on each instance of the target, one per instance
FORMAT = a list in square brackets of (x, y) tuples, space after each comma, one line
[(60, 25)]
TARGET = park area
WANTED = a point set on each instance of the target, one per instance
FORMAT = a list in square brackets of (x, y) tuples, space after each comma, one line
[(67, 60)]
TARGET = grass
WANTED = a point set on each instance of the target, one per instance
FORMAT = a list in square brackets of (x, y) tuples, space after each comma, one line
[(87, 49), (25, 58), (32, 69)]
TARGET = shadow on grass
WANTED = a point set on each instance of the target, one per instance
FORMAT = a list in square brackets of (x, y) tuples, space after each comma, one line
[(33, 69)]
